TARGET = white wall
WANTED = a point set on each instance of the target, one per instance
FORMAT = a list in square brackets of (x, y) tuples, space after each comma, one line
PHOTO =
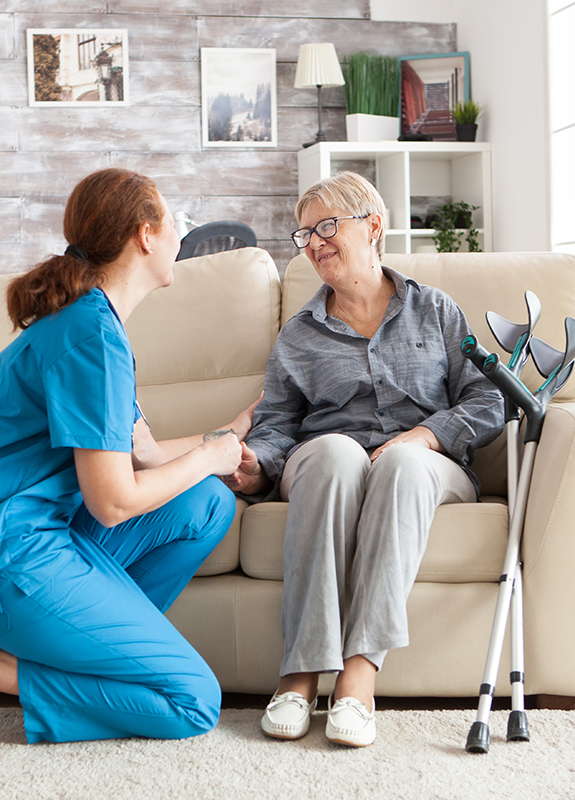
[(508, 53)]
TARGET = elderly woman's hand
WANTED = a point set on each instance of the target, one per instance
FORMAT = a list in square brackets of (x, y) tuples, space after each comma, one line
[(243, 422), (249, 477), (420, 435)]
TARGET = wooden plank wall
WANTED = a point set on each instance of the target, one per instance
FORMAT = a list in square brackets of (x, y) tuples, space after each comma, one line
[(45, 151)]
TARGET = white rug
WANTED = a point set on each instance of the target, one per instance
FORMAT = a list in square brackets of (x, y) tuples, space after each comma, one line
[(418, 755)]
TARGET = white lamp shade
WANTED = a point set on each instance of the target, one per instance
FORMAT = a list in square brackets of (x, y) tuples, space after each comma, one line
[(317, 65)]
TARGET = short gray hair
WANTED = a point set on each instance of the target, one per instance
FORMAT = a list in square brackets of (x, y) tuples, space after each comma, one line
[(351, 193)]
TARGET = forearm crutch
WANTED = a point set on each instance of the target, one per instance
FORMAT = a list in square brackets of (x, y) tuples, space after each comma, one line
[(516, 339), (547, 359), (534, 407)]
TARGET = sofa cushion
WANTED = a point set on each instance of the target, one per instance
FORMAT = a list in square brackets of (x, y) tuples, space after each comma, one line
[(226, 556), (202, 344), (467, 542)]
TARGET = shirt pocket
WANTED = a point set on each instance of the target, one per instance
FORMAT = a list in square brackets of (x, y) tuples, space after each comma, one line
[(419, 369)]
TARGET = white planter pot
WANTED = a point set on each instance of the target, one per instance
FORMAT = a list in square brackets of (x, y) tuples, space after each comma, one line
[(371, 128)]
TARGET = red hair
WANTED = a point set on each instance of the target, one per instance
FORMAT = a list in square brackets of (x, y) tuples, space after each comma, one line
[(105, 210)]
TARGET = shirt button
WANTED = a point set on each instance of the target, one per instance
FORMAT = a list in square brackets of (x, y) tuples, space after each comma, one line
[(380, 413), (419, 344), (372, 349), (379, 382)]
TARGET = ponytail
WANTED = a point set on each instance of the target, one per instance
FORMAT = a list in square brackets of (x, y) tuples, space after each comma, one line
[(104, 212), (49, 287)]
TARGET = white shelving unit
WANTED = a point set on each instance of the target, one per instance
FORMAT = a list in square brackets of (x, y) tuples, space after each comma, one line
[(460, 170)]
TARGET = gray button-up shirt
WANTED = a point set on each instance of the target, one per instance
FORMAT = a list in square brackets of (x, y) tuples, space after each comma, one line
[(324, 377)]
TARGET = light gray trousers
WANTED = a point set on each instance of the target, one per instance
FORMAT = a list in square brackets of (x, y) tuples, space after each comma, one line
[(348, 517)]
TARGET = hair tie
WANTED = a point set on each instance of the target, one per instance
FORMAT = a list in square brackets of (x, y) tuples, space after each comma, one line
[(76, 252)]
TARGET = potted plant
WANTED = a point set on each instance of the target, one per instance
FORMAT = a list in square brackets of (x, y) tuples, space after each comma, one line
[(371, 97), (465, 116), (450, 222)]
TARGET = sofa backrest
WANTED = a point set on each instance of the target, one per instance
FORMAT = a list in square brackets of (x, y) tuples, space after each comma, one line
[(478, 282), (202, 345)]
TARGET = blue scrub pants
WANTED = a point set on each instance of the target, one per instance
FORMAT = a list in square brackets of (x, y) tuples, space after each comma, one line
[(83, 613)]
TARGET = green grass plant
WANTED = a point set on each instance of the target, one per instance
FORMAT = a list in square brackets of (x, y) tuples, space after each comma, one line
[(371, 84)]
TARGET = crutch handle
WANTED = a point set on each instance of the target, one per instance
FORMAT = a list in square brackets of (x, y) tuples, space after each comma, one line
[(472, 350), (477, 354), (513, 388)]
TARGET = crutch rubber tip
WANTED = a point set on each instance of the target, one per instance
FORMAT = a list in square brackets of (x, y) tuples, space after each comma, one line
[(517, 729), (478, 738)]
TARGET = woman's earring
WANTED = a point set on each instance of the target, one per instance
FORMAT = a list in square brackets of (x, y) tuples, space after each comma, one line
[(373, 242)]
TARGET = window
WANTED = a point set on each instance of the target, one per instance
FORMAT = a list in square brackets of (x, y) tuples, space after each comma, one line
[(86, 51), (562, 123)]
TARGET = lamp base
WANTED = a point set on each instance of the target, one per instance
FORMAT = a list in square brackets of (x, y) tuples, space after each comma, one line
[(319, 137)]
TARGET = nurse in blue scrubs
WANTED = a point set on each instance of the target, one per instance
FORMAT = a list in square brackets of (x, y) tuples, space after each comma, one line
[(101, 527)]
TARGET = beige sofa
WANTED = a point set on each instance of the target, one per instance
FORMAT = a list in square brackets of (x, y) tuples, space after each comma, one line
[(201, 348)]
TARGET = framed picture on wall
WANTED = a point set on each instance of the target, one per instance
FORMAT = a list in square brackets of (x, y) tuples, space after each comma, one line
[(239, 105), (77, 67), (431, 86)]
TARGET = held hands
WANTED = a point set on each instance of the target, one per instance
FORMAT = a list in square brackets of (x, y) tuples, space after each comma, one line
[(420, 435), (249, 477), (225, 452)]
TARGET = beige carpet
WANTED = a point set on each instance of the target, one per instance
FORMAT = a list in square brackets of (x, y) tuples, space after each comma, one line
[(418, 755)]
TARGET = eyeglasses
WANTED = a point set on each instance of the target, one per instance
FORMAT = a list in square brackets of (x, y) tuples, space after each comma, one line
[(325, 229)]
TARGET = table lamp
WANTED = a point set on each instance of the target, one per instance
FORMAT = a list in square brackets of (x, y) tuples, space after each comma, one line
[(317, 66)]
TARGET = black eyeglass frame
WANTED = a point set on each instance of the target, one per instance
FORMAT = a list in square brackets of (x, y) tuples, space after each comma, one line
[(313, 230)]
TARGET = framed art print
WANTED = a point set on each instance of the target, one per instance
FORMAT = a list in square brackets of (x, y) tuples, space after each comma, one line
[(77, 67), (431, 87), (239, 106)]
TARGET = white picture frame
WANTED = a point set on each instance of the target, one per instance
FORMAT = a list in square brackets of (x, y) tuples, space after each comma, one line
[(239, 100), (77, 67)]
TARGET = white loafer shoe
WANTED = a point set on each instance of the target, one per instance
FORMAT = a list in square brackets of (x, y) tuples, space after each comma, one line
[(288, 716), (349, 722)]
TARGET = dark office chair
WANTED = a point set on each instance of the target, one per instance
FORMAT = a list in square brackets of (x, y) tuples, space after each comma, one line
[(213, 237)]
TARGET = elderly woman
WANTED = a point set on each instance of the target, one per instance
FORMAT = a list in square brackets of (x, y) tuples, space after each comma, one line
[(369, 421)]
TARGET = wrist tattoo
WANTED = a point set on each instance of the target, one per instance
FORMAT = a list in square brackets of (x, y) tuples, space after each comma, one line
[(209, 437)]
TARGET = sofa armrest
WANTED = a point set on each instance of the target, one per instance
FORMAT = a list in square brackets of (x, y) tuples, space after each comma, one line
[(549, 558)]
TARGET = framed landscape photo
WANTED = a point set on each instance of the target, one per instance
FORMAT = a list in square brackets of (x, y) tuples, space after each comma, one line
[(431, 87), (239, 105), (77, 67)]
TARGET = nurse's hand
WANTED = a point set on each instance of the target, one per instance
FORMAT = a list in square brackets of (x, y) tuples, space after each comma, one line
[(243, 422), (223, 451)]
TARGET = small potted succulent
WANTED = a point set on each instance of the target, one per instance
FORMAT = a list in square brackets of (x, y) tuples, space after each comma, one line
[(371, 97), (465, 116)]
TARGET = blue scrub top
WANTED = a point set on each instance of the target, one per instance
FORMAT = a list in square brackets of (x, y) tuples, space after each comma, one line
[(67, 381)]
